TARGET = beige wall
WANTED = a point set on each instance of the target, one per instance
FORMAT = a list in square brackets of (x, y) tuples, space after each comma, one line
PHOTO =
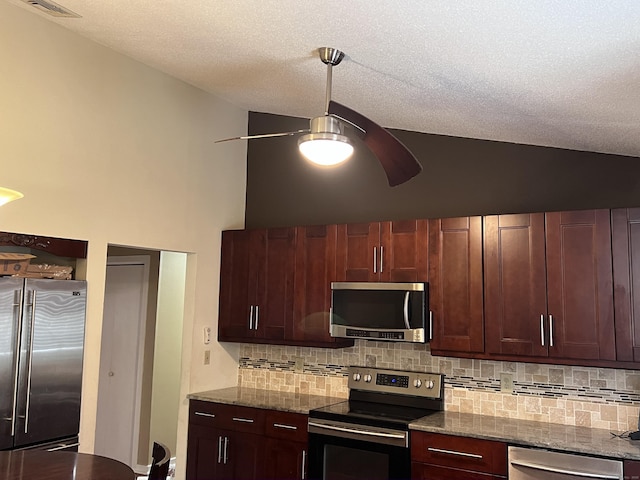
[(108, 150), (165, 399)]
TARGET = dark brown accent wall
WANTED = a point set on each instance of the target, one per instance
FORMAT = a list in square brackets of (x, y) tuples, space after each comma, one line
[(460, 177)]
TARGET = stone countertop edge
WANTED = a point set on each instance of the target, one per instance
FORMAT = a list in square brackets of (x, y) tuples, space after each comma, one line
[(527, 433), (266, 399)]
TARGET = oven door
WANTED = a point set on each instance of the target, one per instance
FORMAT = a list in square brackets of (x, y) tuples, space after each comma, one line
[(342, 451)]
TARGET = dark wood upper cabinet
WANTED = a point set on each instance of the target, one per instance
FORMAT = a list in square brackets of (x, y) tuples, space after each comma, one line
[(456, 285), (548, 285), (237, 285), (514, 284), (626, 276), (256, 283), (580, 285), (383, 252), (315, 269)]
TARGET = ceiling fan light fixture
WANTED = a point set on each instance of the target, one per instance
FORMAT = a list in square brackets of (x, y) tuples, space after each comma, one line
[(7, 195), (325, 148), (325, 145)]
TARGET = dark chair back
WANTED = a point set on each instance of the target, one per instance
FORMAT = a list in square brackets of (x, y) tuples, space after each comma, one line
[(160, 457)]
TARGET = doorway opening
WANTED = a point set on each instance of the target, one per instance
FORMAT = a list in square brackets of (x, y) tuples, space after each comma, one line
[(140, 361)]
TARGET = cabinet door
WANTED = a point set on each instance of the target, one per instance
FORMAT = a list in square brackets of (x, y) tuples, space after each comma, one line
[(358, 252), (274, 258), (580, 285), (204, 459), (237, 284), (403, 251), (515, 285), (285, 460), (245, 456), (315, 270), (455, 284), (626, 276)]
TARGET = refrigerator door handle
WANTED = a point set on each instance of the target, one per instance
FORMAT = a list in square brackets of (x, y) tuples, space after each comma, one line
[(17, 308), (30, 361)]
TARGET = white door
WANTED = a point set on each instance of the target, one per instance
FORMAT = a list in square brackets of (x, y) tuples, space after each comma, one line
[(120, 382)]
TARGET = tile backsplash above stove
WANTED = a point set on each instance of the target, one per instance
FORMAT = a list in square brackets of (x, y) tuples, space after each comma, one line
[(593, 397)]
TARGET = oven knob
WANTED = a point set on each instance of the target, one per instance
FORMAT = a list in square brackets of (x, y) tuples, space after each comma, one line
[(429, 384), (367, 378), (356, 377), (417, 383)]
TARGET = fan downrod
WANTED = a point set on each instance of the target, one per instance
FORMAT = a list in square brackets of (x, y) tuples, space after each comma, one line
[(330, 56)]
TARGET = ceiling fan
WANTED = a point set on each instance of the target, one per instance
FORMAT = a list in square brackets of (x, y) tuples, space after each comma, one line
[(324, 142)]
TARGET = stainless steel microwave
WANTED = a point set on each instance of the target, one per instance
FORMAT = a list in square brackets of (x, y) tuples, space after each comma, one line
[(379, 311)]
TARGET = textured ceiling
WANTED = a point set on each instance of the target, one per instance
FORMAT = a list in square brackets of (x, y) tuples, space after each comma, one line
[(558, 73)]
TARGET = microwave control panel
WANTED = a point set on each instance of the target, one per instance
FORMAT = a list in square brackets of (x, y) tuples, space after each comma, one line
[(391, 381)]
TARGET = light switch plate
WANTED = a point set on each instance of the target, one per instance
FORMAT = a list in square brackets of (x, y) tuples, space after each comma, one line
[(207, 357)]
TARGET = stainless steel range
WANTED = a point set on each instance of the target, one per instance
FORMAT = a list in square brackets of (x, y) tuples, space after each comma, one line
[(367, 436)]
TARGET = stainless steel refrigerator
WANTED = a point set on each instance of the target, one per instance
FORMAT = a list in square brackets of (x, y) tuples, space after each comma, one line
[(41, 350)]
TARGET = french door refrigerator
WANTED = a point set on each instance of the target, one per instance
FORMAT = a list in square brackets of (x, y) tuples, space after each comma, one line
[(41, 350)]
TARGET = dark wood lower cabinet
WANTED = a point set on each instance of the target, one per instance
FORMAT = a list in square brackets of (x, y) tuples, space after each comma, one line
[(234, 442), (223, 454), (202, 454), (285, 460), (440, 457), (631, 470)]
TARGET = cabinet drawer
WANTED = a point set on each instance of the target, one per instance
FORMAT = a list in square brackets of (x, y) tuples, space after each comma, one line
[(286, 426), (229, 417), (459, 452)]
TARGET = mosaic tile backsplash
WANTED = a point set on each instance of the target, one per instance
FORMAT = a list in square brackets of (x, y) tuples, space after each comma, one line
[(584, 396)]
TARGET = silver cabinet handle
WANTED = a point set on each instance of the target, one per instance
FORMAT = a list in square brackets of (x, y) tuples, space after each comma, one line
[(30, 361), (202, 414), (430, 324), (406, 310), (453, 452), (287, 427), (257, 318), (226, 448), (220, 449), (17, 305), (375, 259), (563, 471), (542, 330), (251, 318), (551, 330), (244, 420), (304, 464), (381, 257)]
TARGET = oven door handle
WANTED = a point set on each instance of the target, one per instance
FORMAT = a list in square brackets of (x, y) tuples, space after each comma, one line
[(400, 436)]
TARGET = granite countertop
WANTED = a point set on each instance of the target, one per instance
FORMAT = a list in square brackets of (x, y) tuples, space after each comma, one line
[(592, 441), (268, 399)]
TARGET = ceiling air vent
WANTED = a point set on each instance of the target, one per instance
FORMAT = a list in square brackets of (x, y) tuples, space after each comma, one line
[(52, 8)]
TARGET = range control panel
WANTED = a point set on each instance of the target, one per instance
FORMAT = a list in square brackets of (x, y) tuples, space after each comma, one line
[(394, 381)]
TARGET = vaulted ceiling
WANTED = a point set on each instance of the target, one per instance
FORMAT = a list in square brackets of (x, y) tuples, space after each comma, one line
[(562, 73)]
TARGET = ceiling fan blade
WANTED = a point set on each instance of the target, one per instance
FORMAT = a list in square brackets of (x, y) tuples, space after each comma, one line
[(397, 161), (264, 135)]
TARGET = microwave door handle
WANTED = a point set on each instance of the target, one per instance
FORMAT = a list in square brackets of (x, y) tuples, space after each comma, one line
[(406, 310)]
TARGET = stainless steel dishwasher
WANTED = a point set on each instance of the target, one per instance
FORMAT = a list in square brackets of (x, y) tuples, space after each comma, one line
[(536, 464)]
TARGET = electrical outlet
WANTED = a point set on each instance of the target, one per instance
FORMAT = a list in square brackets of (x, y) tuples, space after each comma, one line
[(506, 382), (207, 357), (299, 364)]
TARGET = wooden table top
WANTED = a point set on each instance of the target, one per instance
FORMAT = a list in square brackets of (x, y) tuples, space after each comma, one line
[(43, 465)]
